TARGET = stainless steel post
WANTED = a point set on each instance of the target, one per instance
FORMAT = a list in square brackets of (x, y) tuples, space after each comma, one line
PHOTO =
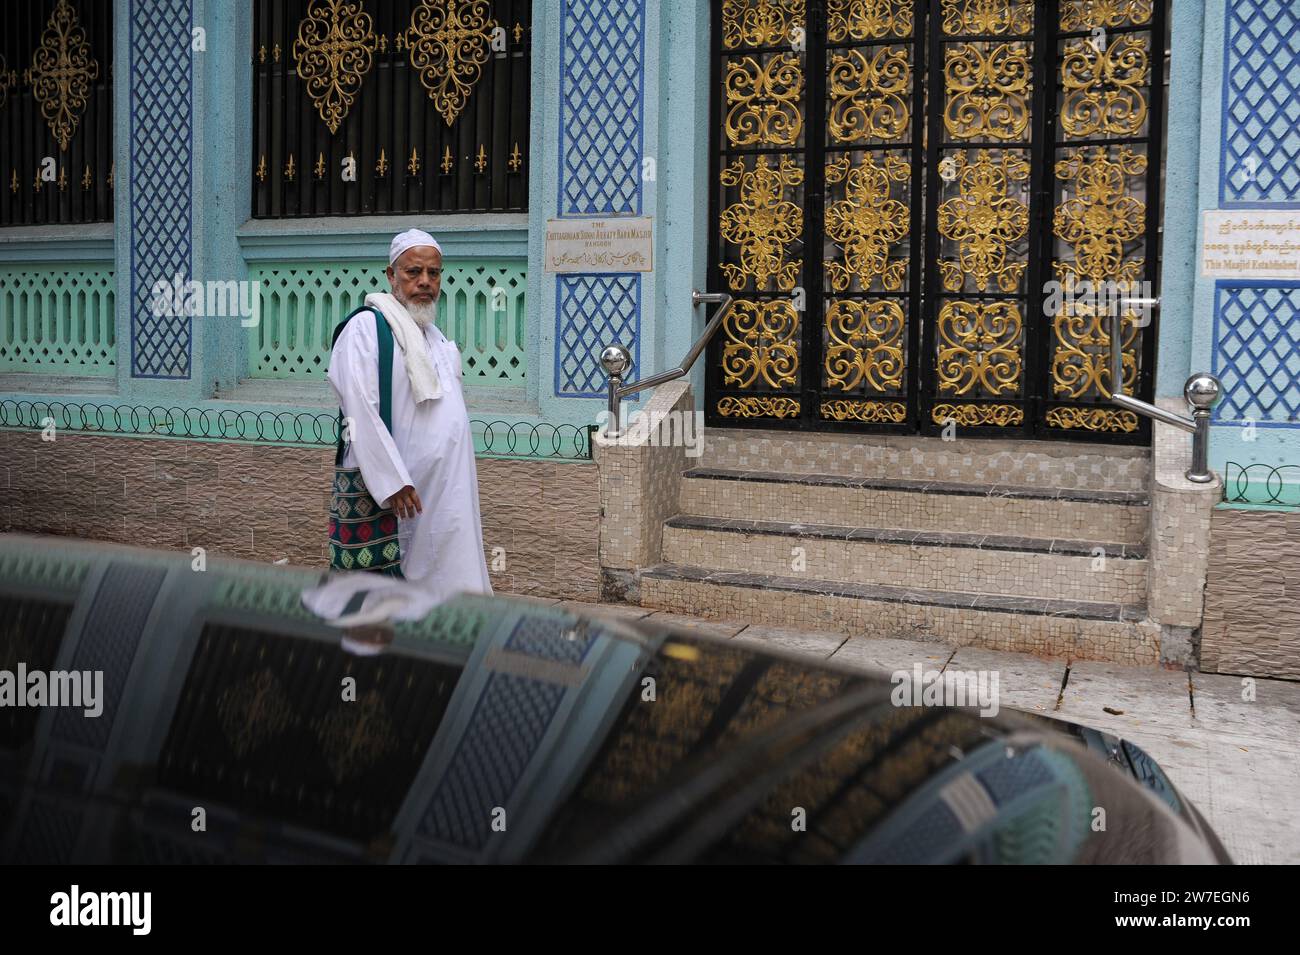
[(1201, 392), (616, 360)]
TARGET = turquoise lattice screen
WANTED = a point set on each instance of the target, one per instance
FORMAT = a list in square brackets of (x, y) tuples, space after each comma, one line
[(57, 321), (482, 309)]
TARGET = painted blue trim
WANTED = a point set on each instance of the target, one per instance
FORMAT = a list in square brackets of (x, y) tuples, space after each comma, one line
[(138, 144), (562, 209), (57, 246), (559, 115), (1228, 127), (559, 330), (1217, 362), (340, 239), (1232, 204), (640, 144)]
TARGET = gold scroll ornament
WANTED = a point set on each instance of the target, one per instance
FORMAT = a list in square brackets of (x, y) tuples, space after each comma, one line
[(866, 412), (332, 55), (864, 345), (1087, 14), (62, 70), (763, 223), (868, 95), (1104, 90), (979, 347), (449, 42), (867, 19), (761, 344), (763, 101), (973, 416), (867, 222), (983, 220), (987, 92), (1096, 225), (999, 17), (754, 406), (760, 22)]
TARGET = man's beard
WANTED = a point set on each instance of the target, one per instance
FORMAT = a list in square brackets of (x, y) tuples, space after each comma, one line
[(423, 315)]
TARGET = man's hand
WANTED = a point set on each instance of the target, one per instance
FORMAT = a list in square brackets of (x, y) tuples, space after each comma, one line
[(405, 503)]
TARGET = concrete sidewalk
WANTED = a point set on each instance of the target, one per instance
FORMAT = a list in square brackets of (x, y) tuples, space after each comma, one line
[(1237, 760)]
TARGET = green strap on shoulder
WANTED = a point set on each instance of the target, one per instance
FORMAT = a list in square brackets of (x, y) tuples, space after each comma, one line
[(384, 334)]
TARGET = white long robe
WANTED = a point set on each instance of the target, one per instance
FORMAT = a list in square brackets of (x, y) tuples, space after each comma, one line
[(431, 448)]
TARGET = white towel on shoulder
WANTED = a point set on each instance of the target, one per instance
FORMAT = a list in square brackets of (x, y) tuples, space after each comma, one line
[(410, 339)]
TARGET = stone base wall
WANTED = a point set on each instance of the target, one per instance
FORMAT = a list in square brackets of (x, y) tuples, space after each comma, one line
[(1252, 597), (1180, 530), (640, 482), (271, 503)]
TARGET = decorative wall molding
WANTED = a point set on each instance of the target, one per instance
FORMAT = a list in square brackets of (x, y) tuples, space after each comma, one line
[(601, 147), (1257, 352), (1260, 158), (160, 178), (593, 311)]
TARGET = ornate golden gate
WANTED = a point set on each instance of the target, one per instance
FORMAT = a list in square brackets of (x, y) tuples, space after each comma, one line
[(914, 200)]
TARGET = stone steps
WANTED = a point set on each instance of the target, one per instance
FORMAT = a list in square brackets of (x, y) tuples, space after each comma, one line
[(1084, 630), (1034, 547), (998, 461), (961, 562), (1016, 510)]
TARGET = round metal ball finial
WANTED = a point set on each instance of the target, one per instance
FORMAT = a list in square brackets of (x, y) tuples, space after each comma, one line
[(615, 359), (1202, 391)]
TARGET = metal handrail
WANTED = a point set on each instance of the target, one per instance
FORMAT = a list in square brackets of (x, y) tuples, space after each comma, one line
[(616, 360), (1201, 391)]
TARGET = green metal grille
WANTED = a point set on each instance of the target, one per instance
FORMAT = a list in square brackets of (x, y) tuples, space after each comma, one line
[(481, 309), (57, 321)]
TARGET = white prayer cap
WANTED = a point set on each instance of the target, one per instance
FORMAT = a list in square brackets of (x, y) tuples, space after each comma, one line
[(409, 240)]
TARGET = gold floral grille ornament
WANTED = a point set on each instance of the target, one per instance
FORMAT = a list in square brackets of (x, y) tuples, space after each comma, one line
[(867, 19), (868, 97), (763, 223), (61, 73), (1087, 14), (761, 344), (1093, 419), (867, 223), (1081, 354), (753, 406), (864, 345), (979, 348), (760, 22), (763, 101), (332, 54), (997, 17), (1096, 225), (987, 91), (867, 412), (974, 416), (4, 81), (449, 42), (983, 220), (1101, 218), (1104, 89)]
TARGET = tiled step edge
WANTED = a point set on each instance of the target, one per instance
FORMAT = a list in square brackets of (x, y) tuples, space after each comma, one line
[(1123, 498), (1033, 606), (880, 535)]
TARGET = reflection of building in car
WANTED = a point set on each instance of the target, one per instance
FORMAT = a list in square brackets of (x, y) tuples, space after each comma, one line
[(493, 730)]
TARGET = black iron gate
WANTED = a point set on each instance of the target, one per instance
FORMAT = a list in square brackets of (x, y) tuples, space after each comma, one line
[(920, 206)]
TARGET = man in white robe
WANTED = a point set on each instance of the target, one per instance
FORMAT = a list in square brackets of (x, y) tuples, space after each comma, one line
[(425, 469)]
